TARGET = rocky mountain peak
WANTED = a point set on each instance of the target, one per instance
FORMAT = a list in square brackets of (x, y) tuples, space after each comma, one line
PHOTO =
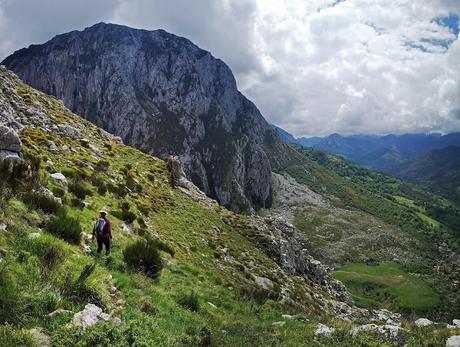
[(162, 94)]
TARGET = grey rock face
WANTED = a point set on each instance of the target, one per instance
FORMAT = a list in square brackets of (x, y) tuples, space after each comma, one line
[(9, 140), (281, 243), (10, 144), (162, 94)]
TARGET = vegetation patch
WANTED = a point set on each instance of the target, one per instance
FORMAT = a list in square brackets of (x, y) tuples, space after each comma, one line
[(387, 285)]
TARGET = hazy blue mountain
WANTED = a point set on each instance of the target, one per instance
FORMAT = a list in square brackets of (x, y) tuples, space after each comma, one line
[(437, 170)]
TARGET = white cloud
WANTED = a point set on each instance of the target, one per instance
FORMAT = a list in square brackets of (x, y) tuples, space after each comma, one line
[(313, 67)]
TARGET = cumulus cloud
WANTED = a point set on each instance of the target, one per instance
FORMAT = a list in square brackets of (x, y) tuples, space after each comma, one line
[(312, 67)]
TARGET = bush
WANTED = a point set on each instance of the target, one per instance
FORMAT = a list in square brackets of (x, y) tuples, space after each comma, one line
[(11, 336), (143, 255), (58, 191), (77, 188), (49, 251), (189, 301), (76, 202), (102, 188), (65, 227), (146, 306), (102, 165), (258, 294), (43, 201)]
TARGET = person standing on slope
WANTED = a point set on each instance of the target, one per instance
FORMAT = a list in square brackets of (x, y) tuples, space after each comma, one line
[(103, 233)]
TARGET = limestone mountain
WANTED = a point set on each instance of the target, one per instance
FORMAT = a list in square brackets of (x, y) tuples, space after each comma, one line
[(164, 95)]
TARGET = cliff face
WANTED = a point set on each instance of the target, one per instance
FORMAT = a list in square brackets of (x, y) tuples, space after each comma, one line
[(164, 95)]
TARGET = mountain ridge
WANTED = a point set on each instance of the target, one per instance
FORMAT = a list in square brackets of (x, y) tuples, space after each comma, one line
[(164, 95)]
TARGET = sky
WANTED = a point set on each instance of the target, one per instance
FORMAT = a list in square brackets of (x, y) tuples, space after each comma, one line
[(313, 67)]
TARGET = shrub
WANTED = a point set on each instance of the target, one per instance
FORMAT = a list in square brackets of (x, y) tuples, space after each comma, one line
[(11, 336), (77, 188), (189, 301), (143, 255), (125, 206), (102, 165), (76, 202), (58, 191), (65, 227), (257, 294), (141, 221), (43, 201), (146, 306), (127, 216), (49, 251), (102, 188)]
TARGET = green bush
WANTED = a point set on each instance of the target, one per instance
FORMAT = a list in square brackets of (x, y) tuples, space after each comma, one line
[(12, 336), (58, 191), (102, 165), (42, 201), (143, 255), (76, 187), (76, 202), (257, 294), (189, 301), (48, 249), (65, 227), (102, 188)]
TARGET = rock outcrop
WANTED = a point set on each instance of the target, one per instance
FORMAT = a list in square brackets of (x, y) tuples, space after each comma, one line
[(10, 144), (164, 95)]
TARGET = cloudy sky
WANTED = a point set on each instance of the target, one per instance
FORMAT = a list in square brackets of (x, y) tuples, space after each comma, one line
[(313, 67)]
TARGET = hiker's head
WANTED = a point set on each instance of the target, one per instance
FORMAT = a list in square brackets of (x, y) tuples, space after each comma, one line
[(103, 213)]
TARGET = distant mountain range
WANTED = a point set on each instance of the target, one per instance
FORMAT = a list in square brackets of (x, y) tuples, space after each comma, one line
[(430, 160)]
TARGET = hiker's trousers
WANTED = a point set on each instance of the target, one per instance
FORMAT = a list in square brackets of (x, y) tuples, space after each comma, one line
[(103, 240)]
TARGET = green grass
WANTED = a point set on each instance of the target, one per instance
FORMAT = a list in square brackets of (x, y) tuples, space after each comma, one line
[(387, 285), (41, 275)]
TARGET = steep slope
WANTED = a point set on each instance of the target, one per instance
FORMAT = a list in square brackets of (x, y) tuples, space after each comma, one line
[(228, 279), (437, 170), (163, 95)]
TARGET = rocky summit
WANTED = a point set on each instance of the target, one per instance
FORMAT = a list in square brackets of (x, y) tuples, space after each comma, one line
[(164, 95)]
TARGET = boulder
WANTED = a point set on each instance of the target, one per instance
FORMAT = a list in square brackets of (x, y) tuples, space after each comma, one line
[(33, 235), (423, 322), (89, 316), (322, 329), (278, 324), (263, 282), (178, 178), (40, 338), (59, 178), (2, 226), (456, 322), (453, 341), (9, 140)]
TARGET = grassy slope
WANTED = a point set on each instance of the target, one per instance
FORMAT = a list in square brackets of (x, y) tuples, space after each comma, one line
[(387, 283), (389, 199), (38, 282), (211, 258)]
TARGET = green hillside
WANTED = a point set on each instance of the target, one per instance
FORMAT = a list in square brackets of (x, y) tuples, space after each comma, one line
[(208, 291), (438, 171), (416, 228)]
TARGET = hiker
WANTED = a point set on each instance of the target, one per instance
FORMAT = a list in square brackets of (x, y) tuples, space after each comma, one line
[(102, 232)]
